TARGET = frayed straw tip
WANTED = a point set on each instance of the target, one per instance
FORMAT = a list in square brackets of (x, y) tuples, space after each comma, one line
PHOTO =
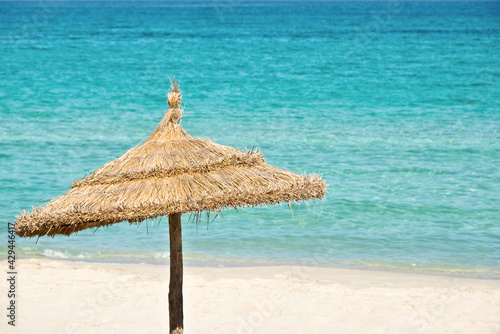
[(174, 99)]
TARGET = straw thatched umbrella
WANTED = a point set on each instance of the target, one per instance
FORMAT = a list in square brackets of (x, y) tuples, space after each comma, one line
[(169, 174)]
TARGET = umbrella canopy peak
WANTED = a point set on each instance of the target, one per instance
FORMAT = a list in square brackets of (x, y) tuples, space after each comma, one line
[(174, 98)]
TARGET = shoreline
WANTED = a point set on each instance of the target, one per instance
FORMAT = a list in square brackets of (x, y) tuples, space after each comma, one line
[(61, 296), (485, 274)]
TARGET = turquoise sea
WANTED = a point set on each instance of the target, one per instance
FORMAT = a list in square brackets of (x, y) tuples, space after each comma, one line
[(396, 104)]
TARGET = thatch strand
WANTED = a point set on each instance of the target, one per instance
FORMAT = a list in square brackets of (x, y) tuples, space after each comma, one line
[(171, 172), (174, 97)]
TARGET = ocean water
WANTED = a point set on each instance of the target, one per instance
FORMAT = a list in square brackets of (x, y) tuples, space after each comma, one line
[(395, 104)]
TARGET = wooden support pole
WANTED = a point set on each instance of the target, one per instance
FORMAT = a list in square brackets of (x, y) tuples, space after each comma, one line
[(175, 305)]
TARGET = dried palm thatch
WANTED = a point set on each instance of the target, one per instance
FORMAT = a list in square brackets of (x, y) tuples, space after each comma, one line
[(171, 172)]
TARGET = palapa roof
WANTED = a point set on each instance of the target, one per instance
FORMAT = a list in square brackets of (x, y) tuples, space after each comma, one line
[(170, 172)]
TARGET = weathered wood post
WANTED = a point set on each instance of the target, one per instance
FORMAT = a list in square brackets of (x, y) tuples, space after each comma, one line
[(175, 304)]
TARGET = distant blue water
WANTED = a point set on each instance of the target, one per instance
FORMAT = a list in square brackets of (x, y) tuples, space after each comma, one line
[(396, 104)]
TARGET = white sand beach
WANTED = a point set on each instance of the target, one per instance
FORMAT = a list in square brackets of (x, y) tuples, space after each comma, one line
[(79, 297)]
